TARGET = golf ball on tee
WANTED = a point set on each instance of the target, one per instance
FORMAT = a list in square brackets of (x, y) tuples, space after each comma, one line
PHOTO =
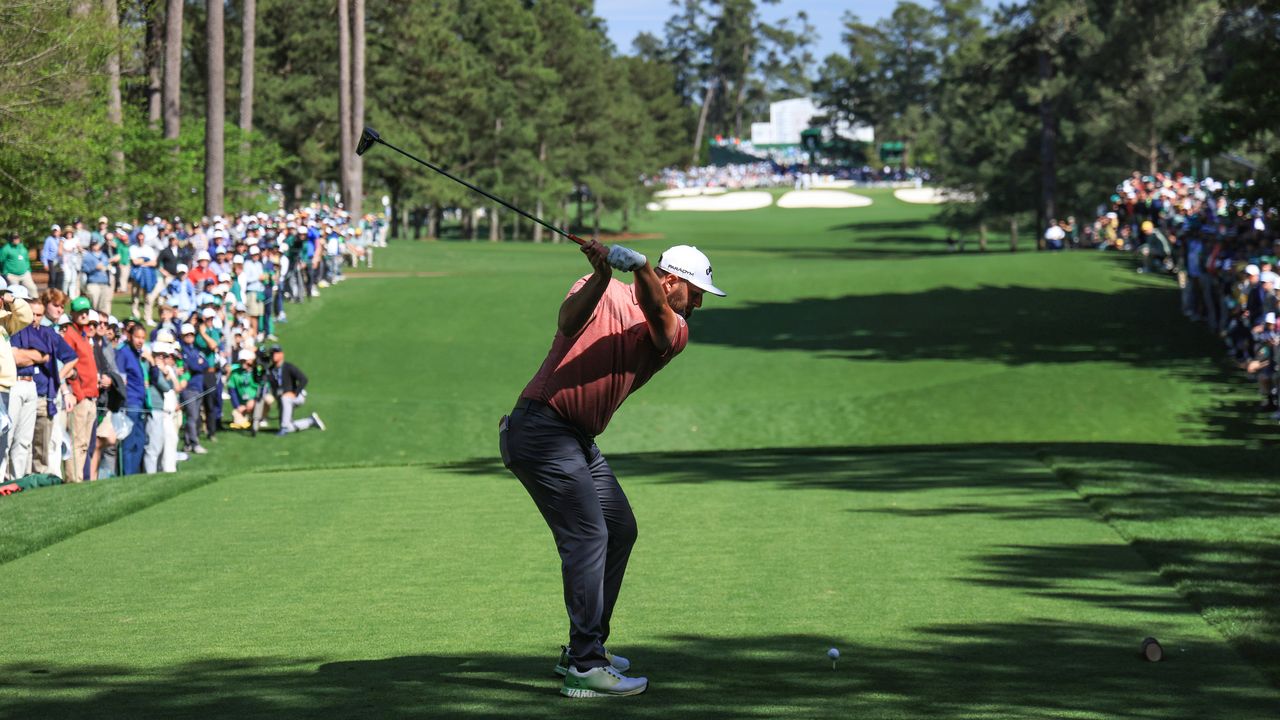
[(834, 654)]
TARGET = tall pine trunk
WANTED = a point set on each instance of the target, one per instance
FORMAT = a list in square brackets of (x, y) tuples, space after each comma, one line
[(702, 122), (1013, 234), (215, 111), (542, 162), (356, 203), (115, 108), (249, 25), (1048, 209), (154, 63), (172, 69), (495, 226), (344, 100)]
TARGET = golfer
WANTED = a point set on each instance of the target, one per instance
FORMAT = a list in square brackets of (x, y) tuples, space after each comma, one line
[(611, 338)]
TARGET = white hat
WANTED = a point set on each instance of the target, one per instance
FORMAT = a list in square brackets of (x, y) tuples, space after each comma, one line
[(55, 228), (182, 268), (254, 249), (64, 320), (244, 355), (203, 255), (165, 336), (237, 260), (174, 302), (1270, 319), (187, 329), (224, 277), (690, 263), (94, 316), (18, 291), (1251, 269), (209, 313), (113, 320), (1270, 277)]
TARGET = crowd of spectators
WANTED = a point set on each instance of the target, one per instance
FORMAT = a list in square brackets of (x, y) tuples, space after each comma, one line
[(85, 395), (1223, 253), (766, 174)]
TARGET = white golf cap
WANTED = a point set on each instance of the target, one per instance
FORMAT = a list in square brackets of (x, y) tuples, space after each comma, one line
[(203, 255), (94, 316), (209, 313), (245, 355), (1270, 319), (113, 320), (237, 260), (18, 291), (224, 277), (1251, 269), (165, 336), (55, 228), (1269, 277), (182, 268), (188, 329), (690, 263)]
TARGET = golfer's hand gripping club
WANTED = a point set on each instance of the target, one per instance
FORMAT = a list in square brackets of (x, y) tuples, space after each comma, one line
[(626, 259)]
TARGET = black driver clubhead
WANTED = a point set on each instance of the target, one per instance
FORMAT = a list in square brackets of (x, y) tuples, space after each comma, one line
[(367, 139)]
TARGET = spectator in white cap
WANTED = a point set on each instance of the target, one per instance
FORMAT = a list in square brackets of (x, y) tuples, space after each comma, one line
[(162, 430), (44, 361), (145, 278), (181, 289), (95, 267), (15, 314), (51, 256), (194, 363), (252, 288), (70, 263), (202, 274)]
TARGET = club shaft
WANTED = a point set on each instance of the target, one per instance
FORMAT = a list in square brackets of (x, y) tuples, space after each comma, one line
[(500, 201)]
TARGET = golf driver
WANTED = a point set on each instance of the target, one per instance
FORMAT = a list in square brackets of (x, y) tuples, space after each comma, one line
[(370, 136)]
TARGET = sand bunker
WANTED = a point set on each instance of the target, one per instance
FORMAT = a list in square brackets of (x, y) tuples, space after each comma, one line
[(689, 192), (931, 196), (822, 199), (720, 203)]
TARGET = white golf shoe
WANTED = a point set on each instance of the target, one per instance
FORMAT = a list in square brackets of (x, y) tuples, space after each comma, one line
[(601, 682)]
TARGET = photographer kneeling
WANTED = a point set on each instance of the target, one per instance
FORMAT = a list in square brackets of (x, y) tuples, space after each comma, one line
[(289, 385)]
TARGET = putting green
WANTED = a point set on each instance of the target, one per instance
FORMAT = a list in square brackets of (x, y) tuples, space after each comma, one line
[(983, 478)]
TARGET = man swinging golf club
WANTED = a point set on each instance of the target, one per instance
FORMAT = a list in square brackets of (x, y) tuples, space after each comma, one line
[(611, 338)]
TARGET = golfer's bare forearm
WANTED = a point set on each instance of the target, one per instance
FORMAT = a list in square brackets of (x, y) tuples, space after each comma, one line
[(653, 303), (577, 309)]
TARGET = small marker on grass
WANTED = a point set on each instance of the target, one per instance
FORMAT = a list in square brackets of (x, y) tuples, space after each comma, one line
[(1151, 650), (834, 654)]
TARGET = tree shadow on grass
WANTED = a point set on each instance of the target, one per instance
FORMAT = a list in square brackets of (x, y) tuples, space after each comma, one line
[(1181, 500), (1041, 669), (1014, 325)]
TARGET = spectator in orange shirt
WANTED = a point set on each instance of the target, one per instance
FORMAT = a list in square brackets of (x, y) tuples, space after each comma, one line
[(84, 386)]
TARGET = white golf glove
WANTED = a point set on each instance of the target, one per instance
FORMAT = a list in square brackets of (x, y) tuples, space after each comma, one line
[(625, 259)]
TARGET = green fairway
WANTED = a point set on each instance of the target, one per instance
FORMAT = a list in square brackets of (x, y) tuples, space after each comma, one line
[(984, 478)]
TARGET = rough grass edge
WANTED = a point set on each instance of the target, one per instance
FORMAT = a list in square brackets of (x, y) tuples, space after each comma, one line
[(172, 486)]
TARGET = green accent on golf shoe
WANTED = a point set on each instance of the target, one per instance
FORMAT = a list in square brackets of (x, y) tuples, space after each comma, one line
[(618, 662), (601, 682)]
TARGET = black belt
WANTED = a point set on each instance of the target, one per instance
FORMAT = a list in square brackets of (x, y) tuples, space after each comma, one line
[(536, 407)]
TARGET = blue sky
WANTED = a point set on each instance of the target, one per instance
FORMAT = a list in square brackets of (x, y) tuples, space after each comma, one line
[(627, 18)]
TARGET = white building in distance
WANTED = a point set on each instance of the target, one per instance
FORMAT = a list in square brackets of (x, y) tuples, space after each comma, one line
[(788, 118)]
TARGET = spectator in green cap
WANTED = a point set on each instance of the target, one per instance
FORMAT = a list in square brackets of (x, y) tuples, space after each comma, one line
[(16, 265)]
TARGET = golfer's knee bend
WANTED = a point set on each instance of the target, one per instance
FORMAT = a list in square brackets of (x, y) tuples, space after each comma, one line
[(624, 532)]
